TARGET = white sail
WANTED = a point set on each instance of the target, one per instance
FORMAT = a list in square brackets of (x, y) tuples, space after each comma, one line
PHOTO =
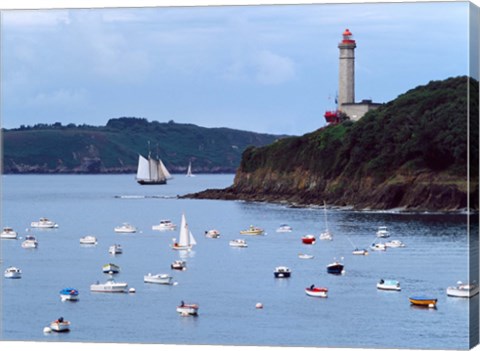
[(184, 239), (153, 169), (189, 170), (143, 168), (192, 239), (165, 170)]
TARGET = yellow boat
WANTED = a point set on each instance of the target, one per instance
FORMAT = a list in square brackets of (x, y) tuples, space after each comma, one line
[(252, 230), (423, 301)]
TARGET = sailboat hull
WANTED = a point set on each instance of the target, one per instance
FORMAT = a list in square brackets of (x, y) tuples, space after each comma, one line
[(151, 182)]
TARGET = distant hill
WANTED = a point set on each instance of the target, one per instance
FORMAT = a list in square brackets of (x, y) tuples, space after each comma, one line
[(412, 152), (114, 148)]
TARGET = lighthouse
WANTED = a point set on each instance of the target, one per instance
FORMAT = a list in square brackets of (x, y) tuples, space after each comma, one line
[(346, 105), (346, 81)]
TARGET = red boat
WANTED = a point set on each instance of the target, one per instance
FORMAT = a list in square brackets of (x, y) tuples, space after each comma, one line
[(308, 239), (316, 292)]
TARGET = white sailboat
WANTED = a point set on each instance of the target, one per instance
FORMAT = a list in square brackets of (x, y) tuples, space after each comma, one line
[(165, 170), (150, 171), (189, 170), (186, 240), (326, 235)]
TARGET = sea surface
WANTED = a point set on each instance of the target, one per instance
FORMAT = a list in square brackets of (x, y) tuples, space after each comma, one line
[(226, 282)]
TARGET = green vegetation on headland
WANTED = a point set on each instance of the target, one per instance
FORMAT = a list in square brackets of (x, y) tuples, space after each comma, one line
[(114, 148), (411, 153)]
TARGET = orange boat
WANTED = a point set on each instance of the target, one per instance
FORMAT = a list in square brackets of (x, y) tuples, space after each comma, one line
[(423, 301)]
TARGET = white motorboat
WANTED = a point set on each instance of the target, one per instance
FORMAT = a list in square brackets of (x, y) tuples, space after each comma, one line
[(186, 240), (305, 256), (13, 273), (238, 243), (115, 249), (179, 265), (316, 291), (44, 223), (30, 242), (284, 228), (88, 240), (394, 243), (8, 233), (389, 284), (69, 294), (110, 286), (125, 228), (282, 272), (378, 247), (158, 279), (382, 232), (360, 251), (60, 325), (462, 290), (164, 225), (252, 230), (186, 309), (212, 234), (110, 268)]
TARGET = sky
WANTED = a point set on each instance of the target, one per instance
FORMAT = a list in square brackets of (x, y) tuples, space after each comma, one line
[(265, 68)]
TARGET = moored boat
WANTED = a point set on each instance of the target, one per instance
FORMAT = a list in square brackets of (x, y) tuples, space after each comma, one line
[(316, 291), (284, 228), (110, 268), (69, 294), (305, 256), (389, 284), (158, 279), (110, 286), (179, 265), (115, 249), (212, 234), (44, 223), (335, 268), (8, 233), (326, 235), (382, 232), (13, 273), (188, 309), (282, 272), (252, 230), (308, 239), (462, 290), (186, 241), (360, 252), (378, 247), (88, 240), (165, 224), (394, 243), (60, 325), (30, 242), (125, 228), (423, 301), (238, 243)]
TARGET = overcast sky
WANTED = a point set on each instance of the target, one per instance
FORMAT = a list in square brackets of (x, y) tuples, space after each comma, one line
[(268, 68)]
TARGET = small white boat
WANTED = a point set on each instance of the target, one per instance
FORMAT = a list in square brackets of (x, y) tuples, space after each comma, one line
[(30, 242), (88, 240), (158, 279), (284, 228), (282, 272), (115, 249), (394, 243), (179, 265), (360, 252), (378, 247), (44, 223), (8, 233), (69, 294), (326, 235), (13, 273), (212, 234), (186, 309), (165, 224), (462, 290), (382, 232), (125, 228), (252, 230), (60, 325), (110, 268), (389, 284), (238, 243), (189, 170), (305, 256), (110, 286), (316, 292), (186, 241)]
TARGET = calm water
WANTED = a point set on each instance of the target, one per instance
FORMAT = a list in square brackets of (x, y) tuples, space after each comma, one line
[(226, 282)]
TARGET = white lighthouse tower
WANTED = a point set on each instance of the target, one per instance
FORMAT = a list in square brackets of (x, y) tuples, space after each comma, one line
[(346, 81)]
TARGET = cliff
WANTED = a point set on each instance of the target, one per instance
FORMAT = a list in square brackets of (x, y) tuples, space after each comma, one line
[(411, 153)]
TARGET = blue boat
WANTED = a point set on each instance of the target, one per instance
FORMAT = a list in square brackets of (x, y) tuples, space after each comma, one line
[(69, 294)]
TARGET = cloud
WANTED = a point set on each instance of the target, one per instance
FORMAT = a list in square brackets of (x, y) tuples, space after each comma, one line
[(38, 19), (59, 99), (273, 69)]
